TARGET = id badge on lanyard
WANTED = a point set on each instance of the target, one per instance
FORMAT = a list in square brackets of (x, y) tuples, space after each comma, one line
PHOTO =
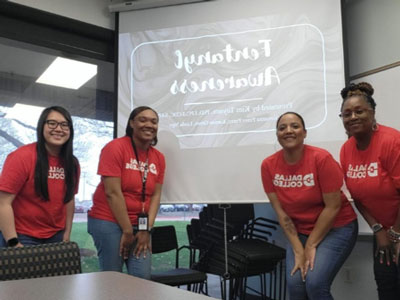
[(143, 218)]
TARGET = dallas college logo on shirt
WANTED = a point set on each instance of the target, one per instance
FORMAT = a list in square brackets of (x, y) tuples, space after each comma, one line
[(292, 181), (362, 171), (133, 165), (56, 173)]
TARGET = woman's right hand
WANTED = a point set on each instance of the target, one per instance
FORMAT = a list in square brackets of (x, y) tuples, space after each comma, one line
[(300, 263), (126, 243), (383, 247)]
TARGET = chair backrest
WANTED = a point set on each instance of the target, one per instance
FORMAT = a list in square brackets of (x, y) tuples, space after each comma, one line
[(236, 213), (163, 239), (212, 222), (40, 261), (260, 228)]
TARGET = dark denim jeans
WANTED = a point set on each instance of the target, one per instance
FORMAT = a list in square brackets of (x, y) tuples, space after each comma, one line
[(107, 236), (27, 240), (387, 278), (331, 254)]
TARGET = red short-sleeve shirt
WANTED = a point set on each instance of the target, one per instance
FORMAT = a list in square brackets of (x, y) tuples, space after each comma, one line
[(33, 216), (373, 175), (117, 159), (300, 187)]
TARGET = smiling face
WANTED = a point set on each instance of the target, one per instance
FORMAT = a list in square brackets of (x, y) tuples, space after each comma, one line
[(358, 116), (55, 138), (290, 132), (145, 126)]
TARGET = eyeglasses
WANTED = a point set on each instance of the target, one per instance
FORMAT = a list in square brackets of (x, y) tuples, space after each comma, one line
[(53, 124), (349, 113)]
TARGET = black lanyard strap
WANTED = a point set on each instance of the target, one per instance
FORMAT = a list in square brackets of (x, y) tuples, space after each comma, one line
[(143, 174)]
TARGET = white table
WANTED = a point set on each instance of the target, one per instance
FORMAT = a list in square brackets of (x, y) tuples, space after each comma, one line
[(92, 286)]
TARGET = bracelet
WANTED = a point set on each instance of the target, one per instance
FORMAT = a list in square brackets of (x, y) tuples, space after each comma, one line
[(394, 236)]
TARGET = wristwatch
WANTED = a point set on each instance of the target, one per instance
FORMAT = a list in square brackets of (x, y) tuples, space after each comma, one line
[(376, 227), (12, 242)]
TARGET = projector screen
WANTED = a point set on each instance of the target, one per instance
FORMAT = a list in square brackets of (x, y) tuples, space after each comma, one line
[(219, 73)]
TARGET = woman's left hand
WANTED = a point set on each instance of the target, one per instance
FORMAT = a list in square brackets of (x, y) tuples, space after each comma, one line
[(66, 237), (310, 253), (383, 247), (396, 252), (143, 243)]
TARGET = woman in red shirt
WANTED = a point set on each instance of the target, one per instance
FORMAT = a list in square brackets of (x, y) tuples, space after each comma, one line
[(38, 183), (127, 199), (371, 163), (303, 185)]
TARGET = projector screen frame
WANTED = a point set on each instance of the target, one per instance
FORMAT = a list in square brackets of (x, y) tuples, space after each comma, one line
[(275, 146)]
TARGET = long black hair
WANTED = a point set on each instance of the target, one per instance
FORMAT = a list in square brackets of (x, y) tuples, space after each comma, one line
[(68, 160), (134, 113)]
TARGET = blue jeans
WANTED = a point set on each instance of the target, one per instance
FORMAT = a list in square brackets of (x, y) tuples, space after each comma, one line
[(387, 278), (107, 236), (331, 254), (27, 240)]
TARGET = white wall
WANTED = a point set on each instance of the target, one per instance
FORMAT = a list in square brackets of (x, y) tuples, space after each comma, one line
[(355, 280), (373, 34), (90, 11)]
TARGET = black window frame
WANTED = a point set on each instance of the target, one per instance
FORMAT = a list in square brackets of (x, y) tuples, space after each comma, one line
[(71, 37)]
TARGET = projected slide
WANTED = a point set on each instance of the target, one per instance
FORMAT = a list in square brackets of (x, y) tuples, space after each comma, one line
[(225, 87), (220, 75)]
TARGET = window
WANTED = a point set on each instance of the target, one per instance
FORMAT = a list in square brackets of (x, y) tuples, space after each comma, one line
[(22, 100), (30, 40)]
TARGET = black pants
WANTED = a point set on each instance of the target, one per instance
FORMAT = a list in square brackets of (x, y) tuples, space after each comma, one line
[(387, 278)]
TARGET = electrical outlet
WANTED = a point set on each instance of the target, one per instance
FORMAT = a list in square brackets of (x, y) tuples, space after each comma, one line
[(348, 274)]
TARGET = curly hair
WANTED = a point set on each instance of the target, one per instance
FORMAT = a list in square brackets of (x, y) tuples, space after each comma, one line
[(362, 89)]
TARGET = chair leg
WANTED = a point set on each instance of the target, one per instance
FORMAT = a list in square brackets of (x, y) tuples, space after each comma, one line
[(204, 287), (232, 289), (243, 288), (223, 288), (270, 285), (263, 286), (283, 266), (237, 290)]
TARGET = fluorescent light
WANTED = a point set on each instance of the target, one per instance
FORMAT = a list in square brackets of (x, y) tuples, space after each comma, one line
[(68, 73)]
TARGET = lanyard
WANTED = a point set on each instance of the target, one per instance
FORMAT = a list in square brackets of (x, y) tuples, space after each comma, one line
[(143, 174)]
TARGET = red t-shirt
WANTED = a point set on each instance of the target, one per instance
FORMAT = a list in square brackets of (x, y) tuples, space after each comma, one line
[(33, 216), (300, 187), (373, 175), (117, 159)]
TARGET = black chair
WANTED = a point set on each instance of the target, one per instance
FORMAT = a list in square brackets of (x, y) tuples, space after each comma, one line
[(40, 261), (163, 240), (259, 232), (249, 251)]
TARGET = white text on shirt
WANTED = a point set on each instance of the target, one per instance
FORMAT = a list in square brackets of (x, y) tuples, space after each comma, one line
[(56, 173), (362, 171), (133, 165), (292, 181)]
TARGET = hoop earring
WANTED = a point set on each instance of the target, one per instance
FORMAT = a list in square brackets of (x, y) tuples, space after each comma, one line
[(375, 127)]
